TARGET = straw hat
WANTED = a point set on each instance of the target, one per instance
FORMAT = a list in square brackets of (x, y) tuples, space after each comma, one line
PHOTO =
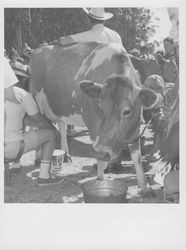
[(98, 13), (20, 69)]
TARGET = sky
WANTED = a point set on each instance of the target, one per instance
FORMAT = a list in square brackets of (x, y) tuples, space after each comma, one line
[(164, 24)]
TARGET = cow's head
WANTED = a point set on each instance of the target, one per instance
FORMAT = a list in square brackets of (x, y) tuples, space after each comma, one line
[(168, 68), (120, 103)]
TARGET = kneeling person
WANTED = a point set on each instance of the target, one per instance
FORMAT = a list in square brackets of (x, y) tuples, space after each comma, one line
[(18, 102)]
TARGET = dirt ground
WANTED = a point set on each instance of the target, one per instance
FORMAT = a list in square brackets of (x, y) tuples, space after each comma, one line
[(24, 188)]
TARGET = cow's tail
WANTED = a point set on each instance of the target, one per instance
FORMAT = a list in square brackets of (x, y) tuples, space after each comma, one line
[(35, 81)]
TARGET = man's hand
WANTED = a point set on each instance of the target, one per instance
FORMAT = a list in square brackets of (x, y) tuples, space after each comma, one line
[(54, 42), (63, 41)]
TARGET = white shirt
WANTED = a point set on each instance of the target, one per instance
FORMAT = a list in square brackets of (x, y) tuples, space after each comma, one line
[(14, 114), (100, 34), (9, 75)]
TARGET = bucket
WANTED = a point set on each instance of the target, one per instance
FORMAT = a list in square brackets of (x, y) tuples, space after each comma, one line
[(104, 191), (57, 161)]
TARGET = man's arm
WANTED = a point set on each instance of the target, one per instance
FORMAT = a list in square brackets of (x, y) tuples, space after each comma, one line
[(67, 40), (41, 121), (63, 41), (83, 37)]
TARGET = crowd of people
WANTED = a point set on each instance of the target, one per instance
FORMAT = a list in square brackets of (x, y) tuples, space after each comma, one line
[(18, 101), (169, 51), (142, 52)]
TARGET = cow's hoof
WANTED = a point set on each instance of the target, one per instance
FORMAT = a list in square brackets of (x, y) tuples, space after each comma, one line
[(100, 178), (147, 192), (67, 158), (114, 168)]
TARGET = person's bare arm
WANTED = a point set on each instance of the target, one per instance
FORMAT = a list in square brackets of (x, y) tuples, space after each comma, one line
[(67, 40), (63, 41), (41, 121)]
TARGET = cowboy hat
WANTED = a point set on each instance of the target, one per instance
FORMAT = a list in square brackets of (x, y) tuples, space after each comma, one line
[(98, 13), (20, 69)]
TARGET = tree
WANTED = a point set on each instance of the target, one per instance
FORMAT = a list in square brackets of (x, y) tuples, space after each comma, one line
[(133, 24), (16, 27)]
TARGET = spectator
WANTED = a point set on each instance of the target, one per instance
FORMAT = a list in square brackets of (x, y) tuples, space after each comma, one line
[(22, 74), (26, 48), (161, 52), (13, 55), (5, 53), (158, 115), (135, 52), (170, 50), (26, 53), (144, 53), (169, 47)]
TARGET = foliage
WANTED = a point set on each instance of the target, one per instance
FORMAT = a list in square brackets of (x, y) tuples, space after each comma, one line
[(38, 24), (133, 24)]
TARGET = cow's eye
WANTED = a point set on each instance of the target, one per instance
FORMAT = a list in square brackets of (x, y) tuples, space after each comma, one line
[(126, 112)]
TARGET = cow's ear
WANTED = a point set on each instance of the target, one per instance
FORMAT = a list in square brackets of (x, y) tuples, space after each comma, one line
[(91, 89), (149, 98), (159, 59)]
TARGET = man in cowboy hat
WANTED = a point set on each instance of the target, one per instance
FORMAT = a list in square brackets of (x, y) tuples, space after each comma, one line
[(98, 33)]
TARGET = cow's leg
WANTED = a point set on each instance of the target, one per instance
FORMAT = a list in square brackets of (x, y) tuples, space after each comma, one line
[(135, 152), (102, 165), (63, 132), (157, 143)]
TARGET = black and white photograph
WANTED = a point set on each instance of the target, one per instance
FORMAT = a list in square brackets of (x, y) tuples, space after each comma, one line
[(91, 110), (91, 105)]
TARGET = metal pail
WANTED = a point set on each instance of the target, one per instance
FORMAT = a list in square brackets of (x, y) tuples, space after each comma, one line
[(104, 191)]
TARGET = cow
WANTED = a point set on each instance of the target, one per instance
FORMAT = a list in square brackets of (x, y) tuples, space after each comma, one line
[(93, 85), (167, 69)]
